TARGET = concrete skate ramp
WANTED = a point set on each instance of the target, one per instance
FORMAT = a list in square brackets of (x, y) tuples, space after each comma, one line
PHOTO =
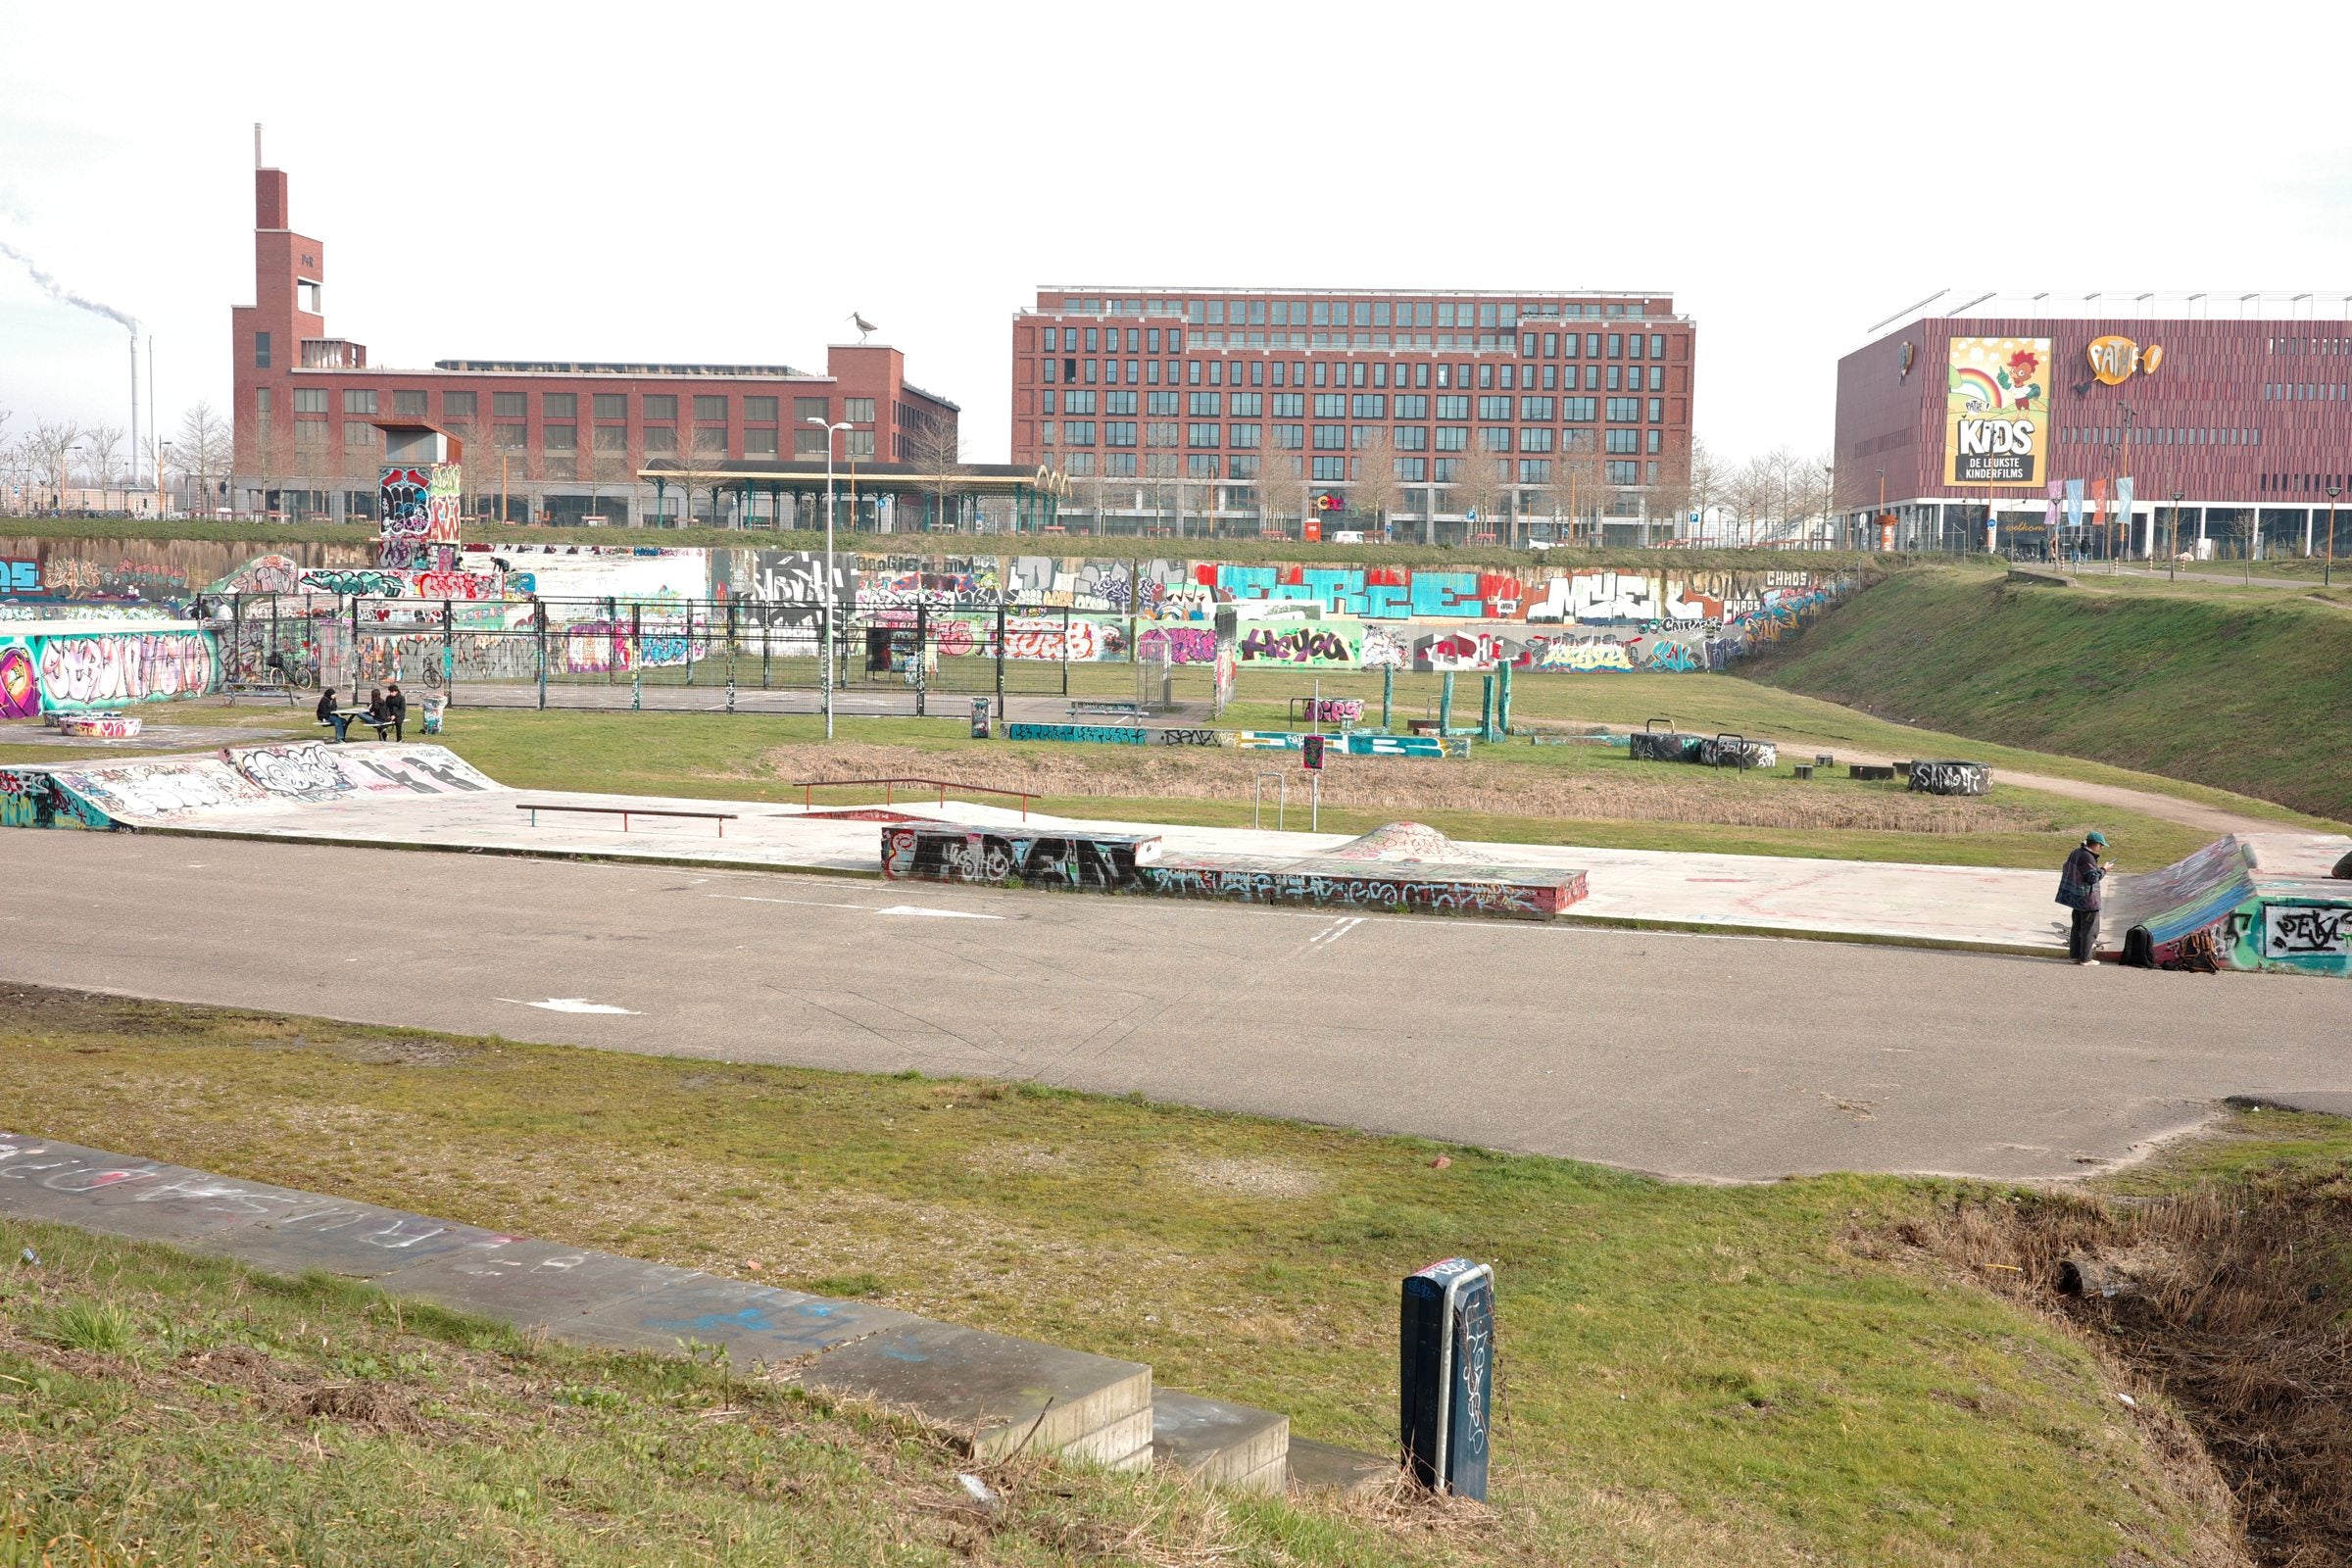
[(242, 784), (2258, 901), (1407, 843)]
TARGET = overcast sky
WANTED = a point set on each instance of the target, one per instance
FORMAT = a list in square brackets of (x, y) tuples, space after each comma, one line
[(728, 184)]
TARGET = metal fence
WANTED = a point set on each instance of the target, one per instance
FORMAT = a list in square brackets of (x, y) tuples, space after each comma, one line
[(725, 646)]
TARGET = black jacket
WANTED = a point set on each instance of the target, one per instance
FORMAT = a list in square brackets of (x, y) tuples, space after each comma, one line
[(326, 704), (395, 706)]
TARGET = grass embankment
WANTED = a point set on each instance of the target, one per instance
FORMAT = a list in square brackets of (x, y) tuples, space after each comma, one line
[(1517, 793), (1687, 1375), (1101, 547), (2244, 694)]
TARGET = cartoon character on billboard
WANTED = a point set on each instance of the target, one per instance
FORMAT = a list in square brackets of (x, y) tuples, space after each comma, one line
[(2017, 377)]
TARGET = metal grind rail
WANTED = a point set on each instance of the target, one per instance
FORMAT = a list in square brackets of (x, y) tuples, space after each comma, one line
[(808, 786)]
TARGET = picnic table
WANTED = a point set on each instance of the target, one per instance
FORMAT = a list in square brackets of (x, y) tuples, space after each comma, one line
[(340, 722)]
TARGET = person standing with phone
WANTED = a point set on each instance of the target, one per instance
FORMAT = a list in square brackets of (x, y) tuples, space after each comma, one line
[(2078, 890)]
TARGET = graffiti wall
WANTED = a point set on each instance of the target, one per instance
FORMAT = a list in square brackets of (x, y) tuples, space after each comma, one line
[(1099, 861), (63, 667)]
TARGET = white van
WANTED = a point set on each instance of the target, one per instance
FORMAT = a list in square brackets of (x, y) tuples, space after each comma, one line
[(1347, 536)]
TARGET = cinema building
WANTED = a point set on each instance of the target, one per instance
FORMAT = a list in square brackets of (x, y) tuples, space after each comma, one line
[(2135, 436), (577, 441), (1451, 416)]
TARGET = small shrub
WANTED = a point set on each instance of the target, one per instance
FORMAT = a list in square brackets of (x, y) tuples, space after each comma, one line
[(104, 1328)]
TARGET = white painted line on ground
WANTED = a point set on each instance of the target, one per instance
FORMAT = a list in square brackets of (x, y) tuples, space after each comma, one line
[(937, 914), (1335, 930), (806, 903), (569, 1005)]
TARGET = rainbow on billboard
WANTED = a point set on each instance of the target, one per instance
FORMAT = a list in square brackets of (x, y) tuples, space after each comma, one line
[(1997, 408)]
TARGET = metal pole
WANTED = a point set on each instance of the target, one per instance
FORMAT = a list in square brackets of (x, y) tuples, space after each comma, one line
[(826, 675), (539, 628), (2327, 571)]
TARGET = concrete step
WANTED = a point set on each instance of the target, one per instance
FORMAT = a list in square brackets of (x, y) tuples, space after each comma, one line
[(1225, 1445), (1008, 1396), (1322, 1467)]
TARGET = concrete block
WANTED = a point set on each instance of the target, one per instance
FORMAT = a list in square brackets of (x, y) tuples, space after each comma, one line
[(1215, 1441), (754, 1322), (1123, 1444), (988, 1387), (359, 1240), (532, 1284), (1322, 1467)]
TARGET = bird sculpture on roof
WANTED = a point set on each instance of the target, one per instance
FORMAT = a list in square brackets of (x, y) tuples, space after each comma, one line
[(864, 325)]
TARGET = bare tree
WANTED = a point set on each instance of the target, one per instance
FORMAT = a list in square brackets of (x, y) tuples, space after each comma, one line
[(261, 450), (1710, 479), (202, 450), (1477, 489), (104, 446), (50, 448), (603, 465), (360, 461), (1102, 485), (1375, 489), (936, 450), (1279, 478), (1159, 485)]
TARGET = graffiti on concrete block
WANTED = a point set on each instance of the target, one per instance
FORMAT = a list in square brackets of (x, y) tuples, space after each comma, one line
[(1179, 645), (1308, 643), (1188, 737), (105, 669), (1732, 751), (2300, 932), (1334, 709), (30, 798), (1100, 862), (1950, 778), (307, 771), (1095, 734), (1663, 746), (1495, 893)]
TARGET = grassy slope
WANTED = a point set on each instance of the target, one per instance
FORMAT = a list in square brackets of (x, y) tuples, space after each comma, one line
[(1687, 1375), (2244, 693)]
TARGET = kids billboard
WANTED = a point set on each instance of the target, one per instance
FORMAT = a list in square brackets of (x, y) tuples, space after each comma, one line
[(1997, 411)]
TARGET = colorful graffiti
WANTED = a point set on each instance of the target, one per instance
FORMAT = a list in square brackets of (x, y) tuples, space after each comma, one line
[(1492, 892), (1318, 644), (32, 798), (1950, 778), (938, 853), (1093, 734), (71, 670), (1178, 645)]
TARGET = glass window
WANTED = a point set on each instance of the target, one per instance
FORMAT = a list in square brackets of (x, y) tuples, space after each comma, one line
[(1535, 408), (1486, 315), (1202, 435), (1623, 441), (1624, 473), (710, 409), (1330, 405), (1290, 436), (1119, 434), (1455, 405), (1534, 438), (1657, 378), (1409, 438), (260, 351), (1412, 470), (661, 439), (310, 399), (359, 400), (1119, 403), (1657, 409), (408, 405), (1534, 470), (1242, 435), (1368, 406), (1078, 403), (859, 445), (660, 406), (1454, 438), (1331, 437), (1657, 345), (1633, 345), (509, 405), (559, 405), (1330, 469), (1579, 411), (1613, 373), (858, 410), (760, 410), (1203, 405), (560, 437), (616, 437), (1200, 465), (1494, 437), (1076, 433), (1161, 404), (1246, 405), (1380, 312), (1616, 345), (1494, 408), (1412, 406), (1654, 440)]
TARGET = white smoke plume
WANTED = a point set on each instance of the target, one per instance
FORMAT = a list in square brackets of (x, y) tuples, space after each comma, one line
[(64, 295)]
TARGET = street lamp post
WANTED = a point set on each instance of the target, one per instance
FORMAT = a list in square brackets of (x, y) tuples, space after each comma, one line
[(825, 658), (2327, 571)]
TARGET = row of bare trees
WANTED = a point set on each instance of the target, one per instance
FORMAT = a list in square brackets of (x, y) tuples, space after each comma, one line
[(1775, 498)]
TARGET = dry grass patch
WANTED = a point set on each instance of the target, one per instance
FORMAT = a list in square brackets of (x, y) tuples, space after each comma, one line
[(1612, 789)]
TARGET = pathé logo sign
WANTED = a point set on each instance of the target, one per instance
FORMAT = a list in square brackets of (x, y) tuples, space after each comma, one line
[(2113, 360)]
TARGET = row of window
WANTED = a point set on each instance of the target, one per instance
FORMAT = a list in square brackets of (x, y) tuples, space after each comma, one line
[(2163, 436), (652, 407), (1356, 406), (1344, 313), (1344, 437), (1344, 471), (1068, 372), (1532, 345), (2302, 392)]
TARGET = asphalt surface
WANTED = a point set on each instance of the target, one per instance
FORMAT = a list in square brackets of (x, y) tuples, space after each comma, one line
[(1709, 1057)]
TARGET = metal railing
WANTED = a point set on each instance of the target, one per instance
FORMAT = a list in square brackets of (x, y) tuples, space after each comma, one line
[(808, 786)]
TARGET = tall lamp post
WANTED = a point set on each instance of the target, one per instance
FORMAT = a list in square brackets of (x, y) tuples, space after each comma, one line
[(2327, 571), (826, 656), (2172, 552)]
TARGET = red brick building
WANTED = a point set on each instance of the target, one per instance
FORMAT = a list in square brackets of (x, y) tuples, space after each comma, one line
[(2249, 422), (1242, 409), (545, 439)]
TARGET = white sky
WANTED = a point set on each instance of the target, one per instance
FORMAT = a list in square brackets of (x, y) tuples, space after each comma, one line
[(728, 182)]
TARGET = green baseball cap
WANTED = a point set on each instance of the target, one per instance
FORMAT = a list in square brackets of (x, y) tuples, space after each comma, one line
[(2094, 836)]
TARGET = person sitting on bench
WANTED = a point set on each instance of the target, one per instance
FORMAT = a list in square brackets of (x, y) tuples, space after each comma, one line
[(380, 717), (396, 708), (328, 715)]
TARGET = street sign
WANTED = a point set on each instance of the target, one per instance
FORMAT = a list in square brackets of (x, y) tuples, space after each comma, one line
[(1447, 1375)]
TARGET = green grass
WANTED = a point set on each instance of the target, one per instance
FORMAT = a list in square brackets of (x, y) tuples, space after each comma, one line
[(1687, 1375), (2237, 693), (1631, 805)]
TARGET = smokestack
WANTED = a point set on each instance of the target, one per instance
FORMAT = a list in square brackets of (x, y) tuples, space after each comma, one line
[(134, 404), (257, 144)]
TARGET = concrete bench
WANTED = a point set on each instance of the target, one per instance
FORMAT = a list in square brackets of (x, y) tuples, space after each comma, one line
[(624, 812)]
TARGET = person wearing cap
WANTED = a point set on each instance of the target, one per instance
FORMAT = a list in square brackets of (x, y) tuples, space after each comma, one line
[(2078, 890)]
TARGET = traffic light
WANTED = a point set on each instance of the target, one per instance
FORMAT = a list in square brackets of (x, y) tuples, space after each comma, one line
[(1311, 749)]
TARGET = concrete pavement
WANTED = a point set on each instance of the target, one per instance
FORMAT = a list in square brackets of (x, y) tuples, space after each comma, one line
[(1710, 1058)]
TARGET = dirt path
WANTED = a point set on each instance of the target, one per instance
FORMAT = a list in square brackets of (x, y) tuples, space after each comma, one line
[(2212, 819)]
